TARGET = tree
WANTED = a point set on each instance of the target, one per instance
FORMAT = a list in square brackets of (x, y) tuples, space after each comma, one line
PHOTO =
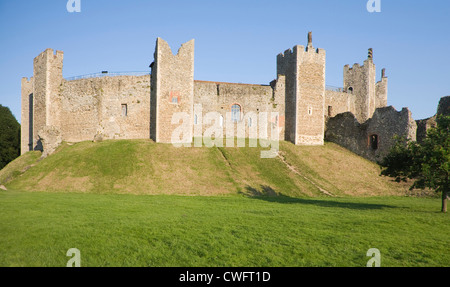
[(9, 137), (428, 163)]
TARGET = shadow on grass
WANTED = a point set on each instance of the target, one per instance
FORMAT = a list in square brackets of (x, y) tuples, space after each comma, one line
[(268, 194)]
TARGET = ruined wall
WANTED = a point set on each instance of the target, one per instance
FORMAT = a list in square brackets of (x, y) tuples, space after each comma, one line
[(172, 90), (339, 102), (444, 106), (375, 137), (105, 108), (424, 125), (381, 90), (26, 116)]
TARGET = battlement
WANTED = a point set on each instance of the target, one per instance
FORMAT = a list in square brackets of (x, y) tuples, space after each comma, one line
[(26, 80), (50, 54), (183, 51)]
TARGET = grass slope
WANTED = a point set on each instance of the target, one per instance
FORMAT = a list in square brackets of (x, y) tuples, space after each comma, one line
[(170, 230), (144, 167)]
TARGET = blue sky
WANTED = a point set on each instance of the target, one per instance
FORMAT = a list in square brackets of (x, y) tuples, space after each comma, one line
[(236, 41)]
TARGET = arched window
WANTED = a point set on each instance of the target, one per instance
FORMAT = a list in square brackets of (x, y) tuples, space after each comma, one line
[(350, 90), (235, 113)]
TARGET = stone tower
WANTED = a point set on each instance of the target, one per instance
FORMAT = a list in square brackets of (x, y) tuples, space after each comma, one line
[(361, 81), (27, 116), (172, 93), (304, 71), (40, 97)]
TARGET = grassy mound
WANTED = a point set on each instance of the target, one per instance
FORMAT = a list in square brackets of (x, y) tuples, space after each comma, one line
[(145, 167)]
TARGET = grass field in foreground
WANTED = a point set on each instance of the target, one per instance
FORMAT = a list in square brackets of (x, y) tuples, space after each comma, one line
[(38, 228)]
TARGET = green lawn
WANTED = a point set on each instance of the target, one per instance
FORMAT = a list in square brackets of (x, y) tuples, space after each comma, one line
[(38, 228)]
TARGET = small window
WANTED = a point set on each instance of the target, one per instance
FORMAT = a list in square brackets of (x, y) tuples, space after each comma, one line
[(249, 122), (235, 113), (195, 119), (310, 111), (221, 120), (174, 97), (124, 110), (330, 111), (373, 142), (350, 90)]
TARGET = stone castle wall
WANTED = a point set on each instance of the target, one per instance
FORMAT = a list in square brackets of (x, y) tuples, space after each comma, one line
[(425, 124), (220, 97), (373, 138), (105, 108), (134, 107), (339, 102)]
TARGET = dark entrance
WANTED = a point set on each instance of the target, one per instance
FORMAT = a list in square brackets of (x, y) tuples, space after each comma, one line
[(373, 141)]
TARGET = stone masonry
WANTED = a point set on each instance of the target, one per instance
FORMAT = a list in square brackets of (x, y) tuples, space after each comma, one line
[(169, 101)]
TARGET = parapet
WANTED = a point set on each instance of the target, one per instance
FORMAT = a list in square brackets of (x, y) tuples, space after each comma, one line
[(26, 80), (186, 48)]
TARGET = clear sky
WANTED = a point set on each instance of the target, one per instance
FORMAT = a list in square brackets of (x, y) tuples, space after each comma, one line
[(236, 41)]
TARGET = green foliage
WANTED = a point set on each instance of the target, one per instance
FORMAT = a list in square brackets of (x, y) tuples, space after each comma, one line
[(435, 152), (428, 164), (9, 137)]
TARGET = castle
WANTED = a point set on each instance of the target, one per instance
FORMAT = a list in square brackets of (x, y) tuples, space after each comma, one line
[(143, 106)]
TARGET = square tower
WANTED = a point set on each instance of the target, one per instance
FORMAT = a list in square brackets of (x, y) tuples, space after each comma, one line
[(361, 81), (172, 92), (40, 97), (304, 70)]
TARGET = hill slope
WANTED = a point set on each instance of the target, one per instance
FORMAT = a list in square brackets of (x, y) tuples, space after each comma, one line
[(144, 167)]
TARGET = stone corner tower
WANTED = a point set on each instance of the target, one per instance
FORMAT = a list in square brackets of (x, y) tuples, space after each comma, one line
[(39, 98), (304, 70), (172, 92)]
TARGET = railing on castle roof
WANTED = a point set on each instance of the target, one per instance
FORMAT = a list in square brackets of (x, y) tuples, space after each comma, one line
[(108, 74), (334, 89)]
